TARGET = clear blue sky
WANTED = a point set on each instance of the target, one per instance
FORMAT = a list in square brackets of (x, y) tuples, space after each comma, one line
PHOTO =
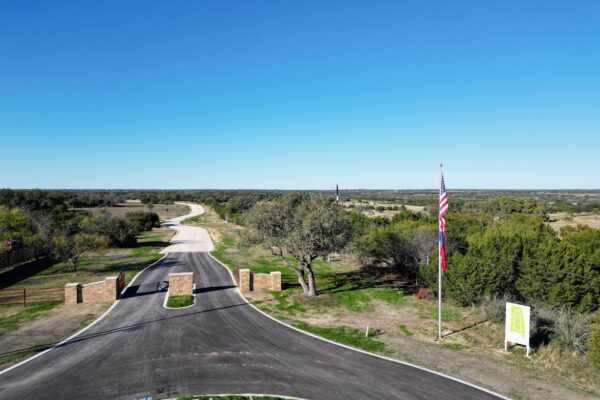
[(299, 94)]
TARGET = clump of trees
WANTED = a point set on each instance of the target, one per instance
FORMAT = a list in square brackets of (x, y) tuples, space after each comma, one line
[(142, 221), (45, 223), (299, 229), (522, 258)]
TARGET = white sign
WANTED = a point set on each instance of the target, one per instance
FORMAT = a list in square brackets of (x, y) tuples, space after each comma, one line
[(517, 325)]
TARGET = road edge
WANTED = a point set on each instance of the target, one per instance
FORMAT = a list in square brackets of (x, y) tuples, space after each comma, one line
[(353, 348), (94, 322)]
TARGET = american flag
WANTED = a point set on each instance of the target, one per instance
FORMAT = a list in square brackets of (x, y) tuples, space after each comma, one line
[(442, 233)]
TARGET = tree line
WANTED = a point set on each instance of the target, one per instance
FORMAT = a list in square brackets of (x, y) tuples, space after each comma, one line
[(51, 229)]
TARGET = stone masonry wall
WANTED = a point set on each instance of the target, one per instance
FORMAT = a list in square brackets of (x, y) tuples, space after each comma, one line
[(245, 280), (181, 284), (72, 293), (249, 281), (106, 290)]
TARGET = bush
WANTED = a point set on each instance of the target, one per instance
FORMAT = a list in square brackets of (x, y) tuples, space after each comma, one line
[(494, 308), (571, 330), (143, 221), (593, 344)]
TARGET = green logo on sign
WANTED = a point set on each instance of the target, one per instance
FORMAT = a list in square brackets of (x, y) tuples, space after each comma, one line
[(517, 322)]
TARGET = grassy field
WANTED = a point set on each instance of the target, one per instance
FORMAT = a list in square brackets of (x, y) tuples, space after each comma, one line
[(180, 301), (558, 220), (405, 327)]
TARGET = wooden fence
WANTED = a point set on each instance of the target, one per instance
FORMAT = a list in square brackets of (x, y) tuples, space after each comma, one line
[(27, 297), (16, 256)]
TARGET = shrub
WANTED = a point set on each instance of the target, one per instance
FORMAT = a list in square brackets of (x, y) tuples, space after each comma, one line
[(143, 221), (494, 307), (571, 330), (593, 344)]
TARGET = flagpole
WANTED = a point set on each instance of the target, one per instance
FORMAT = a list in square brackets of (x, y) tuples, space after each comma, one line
[(440, 267)]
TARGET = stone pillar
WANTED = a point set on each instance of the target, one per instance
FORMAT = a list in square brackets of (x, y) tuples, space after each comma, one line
[(276, 281), (181, 283), (111, 288), (244, 281), (73, 293)]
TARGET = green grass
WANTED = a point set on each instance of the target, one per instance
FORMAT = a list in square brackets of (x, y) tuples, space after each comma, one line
[(11, 359), (283, 303), (402, 328), (354, 300), (359, 300), (348, 336), (193, 220), (453, 346), (180, 301), (428, 310), (220, 251), (12, 322)]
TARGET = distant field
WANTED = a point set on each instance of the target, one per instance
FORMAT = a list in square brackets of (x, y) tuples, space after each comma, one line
[(364, 207), (164, 211), (558, 220)]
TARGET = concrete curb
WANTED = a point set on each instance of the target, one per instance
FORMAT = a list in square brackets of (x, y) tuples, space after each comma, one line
[(180, 308), (355, 349)]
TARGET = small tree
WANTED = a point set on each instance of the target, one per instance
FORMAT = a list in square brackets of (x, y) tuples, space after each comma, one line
[(78, 247), (301, 228)]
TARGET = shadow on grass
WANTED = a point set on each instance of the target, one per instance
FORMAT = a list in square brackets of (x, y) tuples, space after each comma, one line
[(364, 278), (465, 328), (152, 243)]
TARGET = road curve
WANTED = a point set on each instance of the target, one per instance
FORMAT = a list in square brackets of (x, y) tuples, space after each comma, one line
[(220, 345)]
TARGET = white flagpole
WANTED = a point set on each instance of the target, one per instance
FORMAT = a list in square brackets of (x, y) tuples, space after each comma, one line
[(440, 265)]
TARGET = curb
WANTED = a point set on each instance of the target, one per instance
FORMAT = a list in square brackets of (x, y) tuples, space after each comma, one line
[(180, 308)]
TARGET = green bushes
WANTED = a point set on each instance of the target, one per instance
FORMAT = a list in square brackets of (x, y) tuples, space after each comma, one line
[(520, 257), (593, 344), (143, 221)]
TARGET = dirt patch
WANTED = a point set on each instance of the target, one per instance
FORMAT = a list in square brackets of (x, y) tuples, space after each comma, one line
[(369, 208), (558, 220)]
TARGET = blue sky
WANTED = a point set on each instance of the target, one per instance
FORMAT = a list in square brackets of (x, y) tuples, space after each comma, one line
[(299, 94)]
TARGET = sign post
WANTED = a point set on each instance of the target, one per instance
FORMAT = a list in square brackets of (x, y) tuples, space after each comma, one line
[(517, 325)]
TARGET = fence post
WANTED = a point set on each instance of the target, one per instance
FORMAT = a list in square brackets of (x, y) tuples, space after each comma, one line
[(24, 298)]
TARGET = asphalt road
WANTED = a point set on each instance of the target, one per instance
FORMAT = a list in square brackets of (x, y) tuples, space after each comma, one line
[(220, 345)]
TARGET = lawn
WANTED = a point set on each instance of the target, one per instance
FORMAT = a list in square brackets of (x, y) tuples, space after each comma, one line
[(180, 301), (348, 336)]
